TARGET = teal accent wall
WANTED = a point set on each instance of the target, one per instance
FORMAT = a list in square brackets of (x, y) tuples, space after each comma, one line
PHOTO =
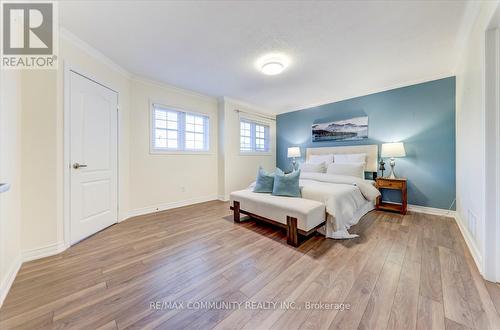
[(422, 116)]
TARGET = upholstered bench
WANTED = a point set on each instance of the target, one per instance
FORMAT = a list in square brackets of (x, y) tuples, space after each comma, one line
[(297, 215)]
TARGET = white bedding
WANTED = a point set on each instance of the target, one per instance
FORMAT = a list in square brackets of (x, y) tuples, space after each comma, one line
[(346, 199)]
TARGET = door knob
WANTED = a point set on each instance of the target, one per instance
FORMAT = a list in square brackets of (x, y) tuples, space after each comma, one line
[(77, 166)]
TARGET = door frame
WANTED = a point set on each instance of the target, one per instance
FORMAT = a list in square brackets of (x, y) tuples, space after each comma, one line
[(68, 68)]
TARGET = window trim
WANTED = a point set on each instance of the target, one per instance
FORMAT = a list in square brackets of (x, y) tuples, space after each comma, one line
[(267, 140), (161, 151)]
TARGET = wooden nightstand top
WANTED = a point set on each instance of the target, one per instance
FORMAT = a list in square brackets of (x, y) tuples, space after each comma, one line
[(389, 179)]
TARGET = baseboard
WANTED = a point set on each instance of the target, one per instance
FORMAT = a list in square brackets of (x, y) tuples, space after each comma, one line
[(9, 279), (173, 205), (27, 255), (471, 244), (431, 210), (123, 217), (223, 198), (53, 249), (44, 251)]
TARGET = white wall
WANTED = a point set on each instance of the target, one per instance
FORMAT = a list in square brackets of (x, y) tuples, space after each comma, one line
[(470, 127), (165, 180), (42, 230), (147, 182), (10, 201), (238, 170), (492, 152), (39, 154)]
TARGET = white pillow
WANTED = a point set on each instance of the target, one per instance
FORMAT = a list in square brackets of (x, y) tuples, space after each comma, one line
[(318, 159), (313, 168), (353, 169), (350, 158)]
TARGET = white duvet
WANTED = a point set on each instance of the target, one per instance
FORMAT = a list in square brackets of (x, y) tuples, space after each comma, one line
[(346, 198)]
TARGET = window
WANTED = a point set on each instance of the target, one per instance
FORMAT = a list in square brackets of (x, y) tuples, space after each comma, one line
[(174, 130), (254, 137)]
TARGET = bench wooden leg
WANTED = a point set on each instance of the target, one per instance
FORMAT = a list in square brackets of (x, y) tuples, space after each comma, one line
[(236, 211), (292, 235)]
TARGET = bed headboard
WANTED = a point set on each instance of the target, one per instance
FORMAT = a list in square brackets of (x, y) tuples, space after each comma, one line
[(371, 152)]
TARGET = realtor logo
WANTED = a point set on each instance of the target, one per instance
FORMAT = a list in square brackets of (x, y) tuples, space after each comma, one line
[(29, 35)]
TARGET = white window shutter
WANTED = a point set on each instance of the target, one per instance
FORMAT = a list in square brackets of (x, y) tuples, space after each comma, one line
[(174, 130), (254, 136)]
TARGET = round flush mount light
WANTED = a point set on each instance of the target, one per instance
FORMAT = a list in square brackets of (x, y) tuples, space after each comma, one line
[(272, 64), (272, 68)]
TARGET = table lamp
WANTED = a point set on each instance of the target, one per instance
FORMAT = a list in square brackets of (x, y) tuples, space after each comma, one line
[(293, 152), (393, 150)]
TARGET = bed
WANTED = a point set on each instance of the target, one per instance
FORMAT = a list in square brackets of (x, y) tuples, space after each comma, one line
[(346, 198)]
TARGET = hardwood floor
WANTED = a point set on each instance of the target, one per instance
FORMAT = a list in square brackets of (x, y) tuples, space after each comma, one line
[(404, 272)]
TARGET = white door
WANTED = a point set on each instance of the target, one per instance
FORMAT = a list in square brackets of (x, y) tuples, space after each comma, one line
[(93, 156)]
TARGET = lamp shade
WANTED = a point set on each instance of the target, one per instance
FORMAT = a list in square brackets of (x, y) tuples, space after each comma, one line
[(293, 152), (396, 149)]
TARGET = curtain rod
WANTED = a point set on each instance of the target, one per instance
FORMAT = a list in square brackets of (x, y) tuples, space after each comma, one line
[(255, 114)]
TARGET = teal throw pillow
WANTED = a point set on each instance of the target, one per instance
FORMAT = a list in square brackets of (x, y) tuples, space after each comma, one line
[(264, 182), (286, 184)]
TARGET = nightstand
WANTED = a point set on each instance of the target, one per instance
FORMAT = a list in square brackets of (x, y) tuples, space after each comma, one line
[(394, 184)]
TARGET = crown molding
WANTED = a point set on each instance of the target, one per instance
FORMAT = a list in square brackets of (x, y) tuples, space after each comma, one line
[(73, 39), (76, 41), (249, 106), (160, 84), (373, 91)]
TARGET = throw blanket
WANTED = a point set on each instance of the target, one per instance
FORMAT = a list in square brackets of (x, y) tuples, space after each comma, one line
[(366, 187), (346, 199)]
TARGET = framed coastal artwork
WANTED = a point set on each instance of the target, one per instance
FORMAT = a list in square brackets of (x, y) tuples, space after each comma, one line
[(342, 130)]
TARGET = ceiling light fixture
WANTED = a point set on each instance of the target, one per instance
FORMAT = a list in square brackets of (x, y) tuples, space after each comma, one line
[(272, 64), (272, 68)]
